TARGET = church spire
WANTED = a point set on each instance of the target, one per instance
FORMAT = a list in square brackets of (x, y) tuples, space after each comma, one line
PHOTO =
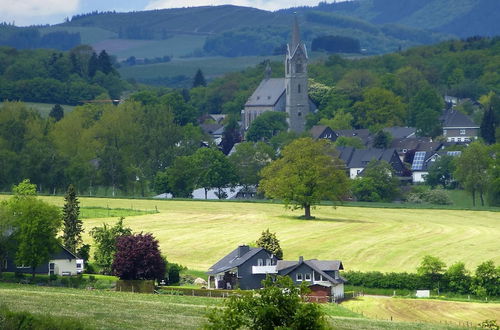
[(295, 33)]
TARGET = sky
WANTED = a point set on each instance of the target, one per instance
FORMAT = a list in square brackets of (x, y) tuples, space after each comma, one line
[(36, 12)]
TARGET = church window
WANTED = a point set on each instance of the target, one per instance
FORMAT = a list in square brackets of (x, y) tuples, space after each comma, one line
[(298, 88), (298, 68), (300, 113)]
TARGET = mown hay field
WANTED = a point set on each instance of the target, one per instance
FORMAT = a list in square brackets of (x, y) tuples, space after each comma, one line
[(424, 310), (196, 234)]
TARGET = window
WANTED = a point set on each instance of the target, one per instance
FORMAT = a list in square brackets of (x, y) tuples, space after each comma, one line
[(318, 277), (308, 276), (298, 68), (445, 131), (299, 276), (462, 132), (336, 274), (79, 265), (298, 89), (269, 262), (260, 262), (22, 266)]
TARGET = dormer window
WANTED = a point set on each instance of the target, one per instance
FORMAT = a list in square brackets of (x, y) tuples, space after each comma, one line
[(308, 276), (462, 132), (260, 262), (269, 262), (298, 277)]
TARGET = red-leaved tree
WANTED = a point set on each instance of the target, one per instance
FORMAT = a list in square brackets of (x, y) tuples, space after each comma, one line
[(138, 258)]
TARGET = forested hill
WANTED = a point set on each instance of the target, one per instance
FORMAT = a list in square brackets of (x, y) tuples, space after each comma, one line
[(462, 18)]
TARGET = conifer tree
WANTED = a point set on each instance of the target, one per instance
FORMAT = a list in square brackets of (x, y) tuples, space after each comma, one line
[(72, 224), (104, 61), (199, 79), (488, 127), (57, 112), (93, 65), (270, 242)]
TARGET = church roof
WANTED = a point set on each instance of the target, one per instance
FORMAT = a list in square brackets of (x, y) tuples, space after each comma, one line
[(268, 93)]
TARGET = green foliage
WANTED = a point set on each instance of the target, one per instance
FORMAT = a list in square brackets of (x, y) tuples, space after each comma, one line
[(27, 321), (471, 170), (249, 159), (434, 196), (349, 141), (72, 224), (105, 244), (24, 189), (488, 126), (278, 305), (431, 270), (458, 278), (441, 172), (377, 183), (382, 140), (267, 125), (487, 277), (379, 108), (308, 171), (199, 79), (57, 112), (270, 242), (37, 224)]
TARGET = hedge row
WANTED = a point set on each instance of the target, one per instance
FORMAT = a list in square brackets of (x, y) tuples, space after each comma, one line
[(23, 320)]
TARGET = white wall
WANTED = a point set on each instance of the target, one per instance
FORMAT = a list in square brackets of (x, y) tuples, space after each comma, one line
[(353, 172), (338, 291), (419, 177), (64, 265)]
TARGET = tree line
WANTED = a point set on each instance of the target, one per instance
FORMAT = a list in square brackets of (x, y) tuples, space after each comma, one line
[(58, 77), (31, 38)]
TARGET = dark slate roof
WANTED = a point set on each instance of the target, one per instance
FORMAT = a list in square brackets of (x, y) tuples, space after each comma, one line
[(232, 260), (364, 134), (267, 93), (317, 130), (359, 158), (417, 144), (320, 266), (452, 118), (398, 132), (211, 128)]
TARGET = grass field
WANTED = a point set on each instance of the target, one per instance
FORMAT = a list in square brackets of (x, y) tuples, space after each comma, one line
[(175, 46), (196, 234), (104, 212), (211, 67), (118, 310), (423, 310)]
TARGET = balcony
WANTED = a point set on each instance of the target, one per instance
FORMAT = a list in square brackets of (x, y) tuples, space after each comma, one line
[(264, 269)]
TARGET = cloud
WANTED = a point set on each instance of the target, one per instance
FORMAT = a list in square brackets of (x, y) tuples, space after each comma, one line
[(262, 4), (27, 12)]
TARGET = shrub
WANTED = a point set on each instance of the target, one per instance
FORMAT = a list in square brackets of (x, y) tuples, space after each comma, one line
[(438, 197), (27, 321)]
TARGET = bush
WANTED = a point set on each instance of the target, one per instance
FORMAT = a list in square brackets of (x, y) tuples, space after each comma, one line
[(435, 196), (26, 321)]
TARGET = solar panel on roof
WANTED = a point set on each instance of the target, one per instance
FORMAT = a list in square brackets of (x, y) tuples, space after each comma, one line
[(418, 161), (454, 153)]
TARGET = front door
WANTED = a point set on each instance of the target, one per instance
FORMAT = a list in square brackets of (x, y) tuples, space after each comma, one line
[(52, 266)]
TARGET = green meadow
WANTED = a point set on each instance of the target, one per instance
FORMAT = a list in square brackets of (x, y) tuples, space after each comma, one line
[(196, 234)]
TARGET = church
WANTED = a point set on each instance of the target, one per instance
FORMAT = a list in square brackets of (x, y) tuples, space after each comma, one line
[(288, 94)]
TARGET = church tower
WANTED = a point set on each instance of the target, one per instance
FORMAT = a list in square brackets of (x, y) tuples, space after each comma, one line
[(297, 99)]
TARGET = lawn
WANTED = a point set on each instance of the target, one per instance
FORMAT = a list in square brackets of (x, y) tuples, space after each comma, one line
[(423, 310), (117, 310), (196, 234)]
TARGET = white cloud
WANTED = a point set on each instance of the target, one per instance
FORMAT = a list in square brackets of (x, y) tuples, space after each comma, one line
[(262, 4), (27, 12)]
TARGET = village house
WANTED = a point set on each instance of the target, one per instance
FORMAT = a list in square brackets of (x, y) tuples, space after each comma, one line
[(246, 267), (62, 262), (423, 160), (356, 160), (458, 127)]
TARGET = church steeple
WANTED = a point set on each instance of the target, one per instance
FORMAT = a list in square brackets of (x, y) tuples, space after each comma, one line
[(296, 84)]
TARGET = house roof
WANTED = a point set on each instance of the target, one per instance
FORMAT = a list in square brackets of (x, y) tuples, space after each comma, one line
[(423, 160), (453, 118), (363, 134), (418, 144), (398, 132), (211, 129), (318, 130), (232, 260), (359, 158), (267, 93), (320, 266)]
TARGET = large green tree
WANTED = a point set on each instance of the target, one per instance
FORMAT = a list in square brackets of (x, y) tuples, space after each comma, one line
[(105, 244), (214, 170), (441, 172), (472, 170), (431, 269), (378, 183), (267, 125), (488, 126), (249, 159), (308, 172), (379, 108), (72, 224)]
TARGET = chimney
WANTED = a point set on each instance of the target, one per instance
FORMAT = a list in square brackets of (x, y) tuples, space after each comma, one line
[(242, 249), (301, 259)]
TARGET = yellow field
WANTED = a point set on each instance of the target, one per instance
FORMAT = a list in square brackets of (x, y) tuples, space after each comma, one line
[(197, 233), (423, 310)]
